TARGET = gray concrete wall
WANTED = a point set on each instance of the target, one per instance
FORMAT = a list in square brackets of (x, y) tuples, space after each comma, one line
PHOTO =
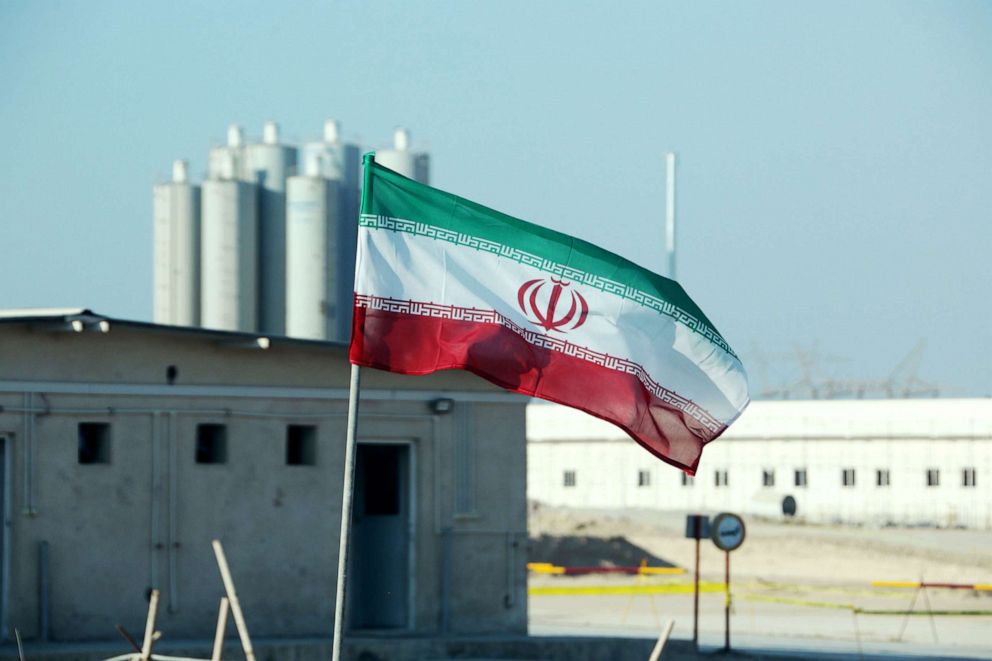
[(147, 518)]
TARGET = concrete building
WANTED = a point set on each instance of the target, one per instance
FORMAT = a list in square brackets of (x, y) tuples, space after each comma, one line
[(126, 447), (895, 461)]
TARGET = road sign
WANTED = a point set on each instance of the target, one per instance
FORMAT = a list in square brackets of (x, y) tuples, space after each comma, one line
[(727, 531), (697, 526)]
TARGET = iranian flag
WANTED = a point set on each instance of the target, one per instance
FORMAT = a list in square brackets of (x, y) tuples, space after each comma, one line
[(445, 283)]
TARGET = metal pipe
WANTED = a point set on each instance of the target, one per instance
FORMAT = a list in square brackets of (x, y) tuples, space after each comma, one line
[(511, 545), (43, 591), (411, 536), (697, 533), (670, 212), (173, 517), (726, 607), (436, 452), (8, 518), (128, 638), (28, 507), (659, 646), (146, 647), (346, 495), (234, 602), (154, 541), (219, 631), (446, 556)]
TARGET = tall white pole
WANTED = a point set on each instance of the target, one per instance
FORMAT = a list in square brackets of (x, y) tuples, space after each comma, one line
[(346, 497), (670, 212)]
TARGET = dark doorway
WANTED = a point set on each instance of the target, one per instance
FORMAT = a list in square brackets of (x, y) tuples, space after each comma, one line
[(379, 579), (4, 522)]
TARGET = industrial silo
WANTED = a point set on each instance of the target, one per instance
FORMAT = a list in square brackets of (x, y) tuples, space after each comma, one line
[(322, 205), (229, 255), (268, 164), (408, 163), (228, 162), (336, 159), (314, 305), (176, 228)]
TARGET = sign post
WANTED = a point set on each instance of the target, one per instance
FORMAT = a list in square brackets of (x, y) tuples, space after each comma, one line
[(697, 526), (728, 535)]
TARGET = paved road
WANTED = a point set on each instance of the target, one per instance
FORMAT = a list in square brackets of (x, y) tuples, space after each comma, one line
[(765, 626)]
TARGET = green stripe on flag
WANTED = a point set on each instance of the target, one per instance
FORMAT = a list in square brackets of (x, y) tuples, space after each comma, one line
[(400, 199)]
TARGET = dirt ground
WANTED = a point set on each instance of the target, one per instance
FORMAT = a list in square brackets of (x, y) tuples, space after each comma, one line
[(789, 581)]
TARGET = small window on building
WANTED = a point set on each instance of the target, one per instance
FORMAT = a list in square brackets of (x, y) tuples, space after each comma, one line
[(882, 477), (933, 477), (720, 478), (847, 477), (570, 478), (687, 480), (643, 478), (94, 443), (211, 444), (800, 477), (768, 478), (301, 445), (968, 477)]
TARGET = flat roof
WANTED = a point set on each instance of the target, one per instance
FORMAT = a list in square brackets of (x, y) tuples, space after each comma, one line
[(85, 319), (826, 419)]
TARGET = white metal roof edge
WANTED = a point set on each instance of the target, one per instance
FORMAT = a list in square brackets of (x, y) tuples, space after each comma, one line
[(31, 314), (268, 392), (906, 418)]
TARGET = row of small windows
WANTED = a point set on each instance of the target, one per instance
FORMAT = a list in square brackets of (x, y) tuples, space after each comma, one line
[(211, 444), (848, 478)]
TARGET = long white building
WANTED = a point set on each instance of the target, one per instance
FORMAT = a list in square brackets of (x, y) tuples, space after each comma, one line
[(898, 461)]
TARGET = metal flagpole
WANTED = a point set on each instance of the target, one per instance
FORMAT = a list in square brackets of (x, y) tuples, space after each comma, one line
[(347, 488), (670, 212), (346, 496)]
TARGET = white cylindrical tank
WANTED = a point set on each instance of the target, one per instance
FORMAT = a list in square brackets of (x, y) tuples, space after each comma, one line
[(314, 303), (399, 158), (338, 162), (229, 255), (268, 164), (334, 158), (228, 161), (176, 228)]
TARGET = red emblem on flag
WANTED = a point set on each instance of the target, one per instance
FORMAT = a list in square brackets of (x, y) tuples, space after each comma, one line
[(543, 310)]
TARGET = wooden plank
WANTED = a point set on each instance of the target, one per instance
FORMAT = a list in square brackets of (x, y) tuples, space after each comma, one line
[(239, 619)]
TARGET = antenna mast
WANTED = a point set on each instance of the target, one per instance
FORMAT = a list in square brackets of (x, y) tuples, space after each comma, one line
[(670, 212)]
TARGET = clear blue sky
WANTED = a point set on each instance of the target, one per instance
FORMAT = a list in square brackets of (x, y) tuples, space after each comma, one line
[(835, 181)]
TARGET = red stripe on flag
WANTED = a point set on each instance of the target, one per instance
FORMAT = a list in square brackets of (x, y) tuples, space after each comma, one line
[(414, 344)]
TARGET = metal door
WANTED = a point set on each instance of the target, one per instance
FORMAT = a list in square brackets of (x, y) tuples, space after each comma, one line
[(379, 579)]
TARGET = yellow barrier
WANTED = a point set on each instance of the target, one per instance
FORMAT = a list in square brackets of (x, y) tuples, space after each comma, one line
[(927, 584), (670, 588), (548, 568)]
